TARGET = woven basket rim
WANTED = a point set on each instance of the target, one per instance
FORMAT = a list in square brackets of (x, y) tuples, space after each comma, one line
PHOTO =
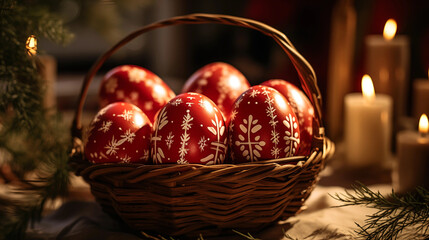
[(83, 167), (327, 149), (278, 161)]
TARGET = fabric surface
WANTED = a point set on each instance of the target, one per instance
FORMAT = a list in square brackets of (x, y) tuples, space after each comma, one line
[(320, 220)]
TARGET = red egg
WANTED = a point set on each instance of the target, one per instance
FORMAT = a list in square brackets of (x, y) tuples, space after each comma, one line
[(263, 126), (189, 129), (119, 133), (302, 108), (136, 85), (220, 82)]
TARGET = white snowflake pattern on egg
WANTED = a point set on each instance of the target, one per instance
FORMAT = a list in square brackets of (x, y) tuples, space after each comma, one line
[(120, 132)]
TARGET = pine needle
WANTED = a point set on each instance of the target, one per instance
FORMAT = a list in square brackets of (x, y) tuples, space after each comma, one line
[(248, 236), (396, 215)]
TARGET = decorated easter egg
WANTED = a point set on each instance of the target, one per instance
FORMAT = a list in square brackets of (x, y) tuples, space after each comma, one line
[(119, 133), (302, 108), (220, 82), (136, 85), (262, 126), (189, 129)]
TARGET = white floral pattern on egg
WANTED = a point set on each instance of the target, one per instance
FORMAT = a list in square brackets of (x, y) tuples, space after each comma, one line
[(302, 108), (262, 126), (189, 129)]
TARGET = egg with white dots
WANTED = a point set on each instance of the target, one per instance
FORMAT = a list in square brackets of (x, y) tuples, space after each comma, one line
[(136, 85), (219, 81)]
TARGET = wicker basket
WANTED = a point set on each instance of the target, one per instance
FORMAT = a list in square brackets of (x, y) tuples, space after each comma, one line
[(197, 199)]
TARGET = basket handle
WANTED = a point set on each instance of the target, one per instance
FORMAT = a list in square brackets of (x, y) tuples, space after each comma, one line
[(305, 71)]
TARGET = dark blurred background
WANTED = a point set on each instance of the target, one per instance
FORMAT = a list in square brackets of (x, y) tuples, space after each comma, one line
[(174, 53)]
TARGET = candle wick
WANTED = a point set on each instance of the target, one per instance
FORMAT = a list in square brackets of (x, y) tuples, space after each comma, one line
[(423, 134)]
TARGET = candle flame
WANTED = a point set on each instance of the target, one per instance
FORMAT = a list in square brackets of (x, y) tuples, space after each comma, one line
[(31, 45), (368, 91), (389, 29), (423, 124)]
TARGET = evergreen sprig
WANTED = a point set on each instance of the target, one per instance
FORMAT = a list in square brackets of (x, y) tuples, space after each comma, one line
[(398, 215), (46, 157), (32, 140), (16, 215), (21, 87)]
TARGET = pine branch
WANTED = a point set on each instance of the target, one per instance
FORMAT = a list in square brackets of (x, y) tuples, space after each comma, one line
[(50, 178), (16, 214), (21, 87), (396, 216), (32, 140)]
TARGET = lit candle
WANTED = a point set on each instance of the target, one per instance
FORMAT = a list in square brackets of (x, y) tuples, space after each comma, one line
[(387, 62), (31, 45), (368, 124), (420, 96), (47, 68), (412, 166)]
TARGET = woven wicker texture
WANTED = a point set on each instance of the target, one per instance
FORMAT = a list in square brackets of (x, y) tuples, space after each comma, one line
[(193, 199)]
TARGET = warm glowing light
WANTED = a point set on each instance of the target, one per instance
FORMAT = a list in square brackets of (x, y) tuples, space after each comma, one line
[(280, 100), (297, 97), (159, 90), (208, 106), (138, 120), (31, 45), (423, 124), (389, 29), (367, 88), (234, 82)]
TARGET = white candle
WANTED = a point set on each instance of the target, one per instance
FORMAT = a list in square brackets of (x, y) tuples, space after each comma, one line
[(412, 166), (368, 124), (420, 96), (387, 62)]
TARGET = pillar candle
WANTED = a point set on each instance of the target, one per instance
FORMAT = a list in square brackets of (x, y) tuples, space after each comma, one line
[(387, 62), (368, 124), (412, 164)]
